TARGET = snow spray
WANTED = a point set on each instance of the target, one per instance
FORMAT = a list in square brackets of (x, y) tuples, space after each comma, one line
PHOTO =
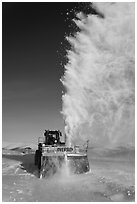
[(99, 76)]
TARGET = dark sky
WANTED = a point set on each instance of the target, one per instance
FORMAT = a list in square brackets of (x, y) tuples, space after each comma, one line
[(31, 55)]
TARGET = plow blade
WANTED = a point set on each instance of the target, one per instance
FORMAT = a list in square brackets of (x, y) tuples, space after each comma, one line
[(74, 163), (78, 164)]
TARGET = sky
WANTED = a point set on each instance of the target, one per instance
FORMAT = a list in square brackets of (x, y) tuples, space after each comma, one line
[(33, 60), (33, 48)]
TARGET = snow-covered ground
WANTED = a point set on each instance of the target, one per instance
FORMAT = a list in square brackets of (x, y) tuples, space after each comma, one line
[(9, 145), (112, 178)]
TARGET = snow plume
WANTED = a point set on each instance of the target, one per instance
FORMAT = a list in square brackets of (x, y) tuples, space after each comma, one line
[(99, 77)]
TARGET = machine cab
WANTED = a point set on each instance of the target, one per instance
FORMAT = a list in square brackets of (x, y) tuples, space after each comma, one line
[(52, 137)]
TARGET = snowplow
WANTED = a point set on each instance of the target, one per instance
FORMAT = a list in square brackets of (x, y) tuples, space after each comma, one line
[(52, 154)]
